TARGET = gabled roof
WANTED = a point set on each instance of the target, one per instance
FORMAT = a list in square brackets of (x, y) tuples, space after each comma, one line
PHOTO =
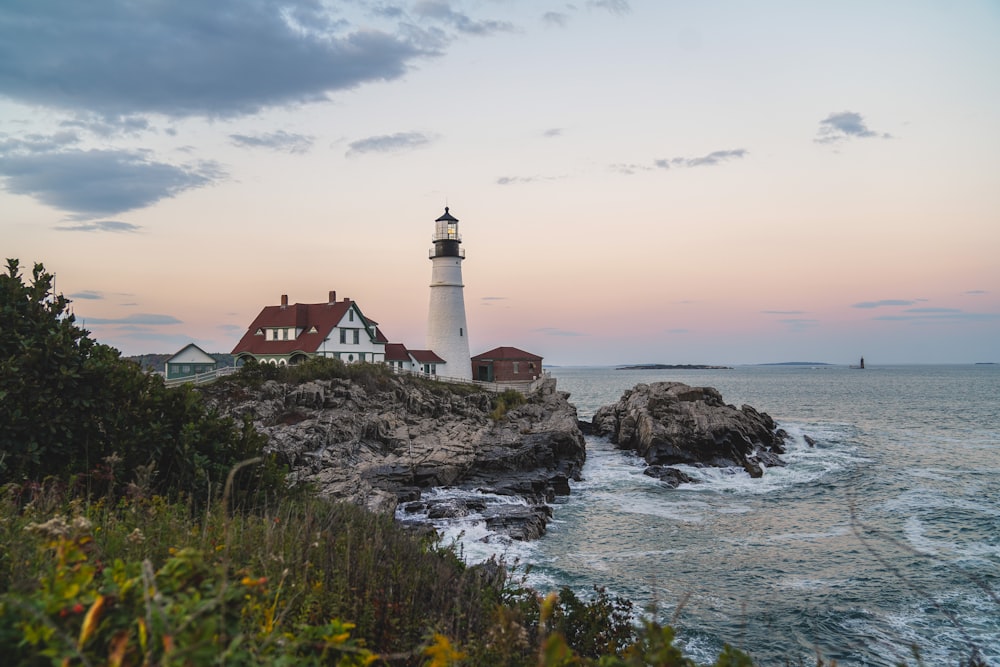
[(323, 316), (396, 352), (506, 354), (191, 354), (426, 357)]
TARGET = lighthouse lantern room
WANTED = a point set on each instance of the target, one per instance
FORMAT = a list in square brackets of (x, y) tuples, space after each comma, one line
[(447, 331)]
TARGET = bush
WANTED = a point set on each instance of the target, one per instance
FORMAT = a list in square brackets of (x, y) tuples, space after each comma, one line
[(506, 401), (74, 410)]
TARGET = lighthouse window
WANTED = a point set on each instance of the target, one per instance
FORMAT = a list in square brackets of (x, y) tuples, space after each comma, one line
[(460, 331)]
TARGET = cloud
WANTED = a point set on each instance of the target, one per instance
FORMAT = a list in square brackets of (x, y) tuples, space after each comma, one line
[(218, 58), (279, 141), (945, 314), (883, 303), (783, 312), (108, 125), (932, 310), (712, 159), (553, 132), (96, 183), (629, 169), (388, 143), (488, 300), (442, 11), (845, 125), (555, 19), (619, 7), (145, 319), (553, 331), (87, 294), (521, 180), (975, 292), (99, 226)]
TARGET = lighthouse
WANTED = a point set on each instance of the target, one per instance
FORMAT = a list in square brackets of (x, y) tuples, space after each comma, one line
[(447, 331)]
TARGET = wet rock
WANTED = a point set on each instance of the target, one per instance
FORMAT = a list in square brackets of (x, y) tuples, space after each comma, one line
[(670, 422), (672, 477)]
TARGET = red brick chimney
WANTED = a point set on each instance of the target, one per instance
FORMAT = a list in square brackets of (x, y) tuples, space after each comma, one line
[(284, 301), (333, 298)]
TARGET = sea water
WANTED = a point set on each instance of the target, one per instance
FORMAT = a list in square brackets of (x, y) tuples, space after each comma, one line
[(881, 538)]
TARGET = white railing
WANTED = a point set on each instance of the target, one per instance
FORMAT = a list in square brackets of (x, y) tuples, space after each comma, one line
[(201, 378), (526, 387)]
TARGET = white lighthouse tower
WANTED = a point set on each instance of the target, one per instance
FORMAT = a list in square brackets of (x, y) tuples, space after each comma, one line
[(447, 332)]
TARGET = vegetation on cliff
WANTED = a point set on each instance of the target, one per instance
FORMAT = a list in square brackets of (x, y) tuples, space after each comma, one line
[(137, 527)]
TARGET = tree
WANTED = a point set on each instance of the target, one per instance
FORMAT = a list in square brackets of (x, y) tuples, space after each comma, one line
[(73, 408)]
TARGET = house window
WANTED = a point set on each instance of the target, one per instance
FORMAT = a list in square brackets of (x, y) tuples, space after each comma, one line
[(343, 336), (350, 357), (357, 336), (531, 366), (350, 315), (515, 367)]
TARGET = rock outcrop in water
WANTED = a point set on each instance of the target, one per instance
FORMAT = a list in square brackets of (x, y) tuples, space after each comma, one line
[(383, 443), (668, 423)]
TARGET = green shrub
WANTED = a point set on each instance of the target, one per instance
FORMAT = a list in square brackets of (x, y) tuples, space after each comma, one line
[(506, 401), (73, 409)]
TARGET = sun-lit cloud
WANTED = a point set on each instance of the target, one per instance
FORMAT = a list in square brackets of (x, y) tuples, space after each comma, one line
[(287, 142), (975, 292), (219, 58), (884, 303), (845, 125), (783, 312), (388, 143)]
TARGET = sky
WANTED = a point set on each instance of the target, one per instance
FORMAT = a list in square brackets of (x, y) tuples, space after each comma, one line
[(648, 181)]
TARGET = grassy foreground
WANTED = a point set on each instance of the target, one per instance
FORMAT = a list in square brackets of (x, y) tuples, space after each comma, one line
[(145, 581)]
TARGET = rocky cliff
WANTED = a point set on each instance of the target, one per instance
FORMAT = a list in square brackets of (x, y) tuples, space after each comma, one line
[(669, 423), (381, 442)]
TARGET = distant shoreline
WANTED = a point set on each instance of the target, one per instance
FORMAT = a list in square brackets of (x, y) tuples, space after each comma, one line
[(673, 367)]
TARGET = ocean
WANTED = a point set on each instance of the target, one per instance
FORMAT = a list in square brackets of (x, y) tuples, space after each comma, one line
[(882, 537)]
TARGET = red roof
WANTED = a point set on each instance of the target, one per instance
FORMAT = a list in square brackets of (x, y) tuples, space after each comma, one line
[(396, 352), (506, 354), (426, 357), (323, 316)]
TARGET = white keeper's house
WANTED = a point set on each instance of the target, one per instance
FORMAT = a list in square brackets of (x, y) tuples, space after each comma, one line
[(290, 333)]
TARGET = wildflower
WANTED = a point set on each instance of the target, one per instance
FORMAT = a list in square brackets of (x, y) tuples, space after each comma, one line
[(136, 537), (53, 528)]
